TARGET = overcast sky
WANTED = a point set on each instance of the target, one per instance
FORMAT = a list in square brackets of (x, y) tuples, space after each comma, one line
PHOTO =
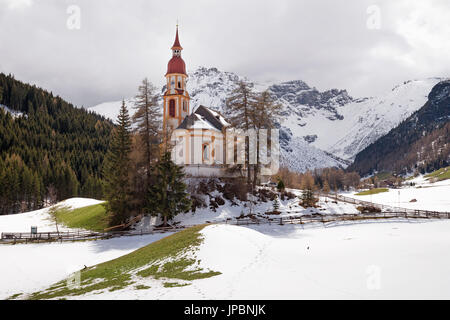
[(363, 46)]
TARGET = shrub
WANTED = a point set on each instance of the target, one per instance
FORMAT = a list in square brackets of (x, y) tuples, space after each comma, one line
[(368, 209)]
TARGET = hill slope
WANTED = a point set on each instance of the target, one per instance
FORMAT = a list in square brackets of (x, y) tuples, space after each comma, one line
[(48, 147), (280, 262), (422, 140)]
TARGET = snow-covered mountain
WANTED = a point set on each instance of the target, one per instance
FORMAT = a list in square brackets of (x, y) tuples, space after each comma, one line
[(350, 125), (318, 129)]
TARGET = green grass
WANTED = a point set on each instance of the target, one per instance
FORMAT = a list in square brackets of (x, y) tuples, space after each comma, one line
[(372, 191), (141, 287), (92, 218), (14, 296), (384, 175), (117, 274), (174, 284), (441, 174)]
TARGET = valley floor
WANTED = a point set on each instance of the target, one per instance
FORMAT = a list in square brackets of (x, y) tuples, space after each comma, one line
[(26, 268), (391, 260), (383, 259), (428, 196)]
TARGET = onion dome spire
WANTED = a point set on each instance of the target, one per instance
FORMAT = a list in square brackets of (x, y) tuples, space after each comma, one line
[(176, 44), (176, 64)]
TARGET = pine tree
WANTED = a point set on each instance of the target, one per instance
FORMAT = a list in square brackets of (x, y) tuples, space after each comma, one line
[(55, 141), (308, 186), (167, 196), (280, 185), (116, 170)]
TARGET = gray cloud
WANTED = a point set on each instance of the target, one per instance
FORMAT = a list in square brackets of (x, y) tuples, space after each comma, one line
[(325, 43)]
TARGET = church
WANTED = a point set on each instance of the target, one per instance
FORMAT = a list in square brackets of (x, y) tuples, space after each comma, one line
[(203, 140)]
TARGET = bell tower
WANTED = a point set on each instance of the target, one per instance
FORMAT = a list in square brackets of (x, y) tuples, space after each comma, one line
[(176, 97)]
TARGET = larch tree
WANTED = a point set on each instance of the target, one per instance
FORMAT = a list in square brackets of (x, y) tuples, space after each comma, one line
[(147, 120), (265, 114), (167, 196), (326, 187), (116, 169), (239, 107), (145, 142)]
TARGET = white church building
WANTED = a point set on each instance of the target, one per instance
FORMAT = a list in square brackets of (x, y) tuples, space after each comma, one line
[(203, 141)]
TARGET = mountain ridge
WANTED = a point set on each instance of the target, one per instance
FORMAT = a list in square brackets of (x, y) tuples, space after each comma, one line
[(420, 142), (331, 125)]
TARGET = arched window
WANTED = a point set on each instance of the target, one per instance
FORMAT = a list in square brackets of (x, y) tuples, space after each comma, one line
[(172, 108), (205, 152)]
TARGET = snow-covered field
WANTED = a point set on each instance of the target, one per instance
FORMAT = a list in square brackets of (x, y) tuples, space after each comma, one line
[(390, 260), (387, 259), (31, 267), (429, 196)]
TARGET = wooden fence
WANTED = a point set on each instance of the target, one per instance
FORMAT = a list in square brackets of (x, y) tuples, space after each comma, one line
[(327, 218), (296, 217), (386, 208), (26, 237)]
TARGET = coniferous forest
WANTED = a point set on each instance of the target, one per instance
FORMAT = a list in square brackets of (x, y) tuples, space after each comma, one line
[(49, 149)]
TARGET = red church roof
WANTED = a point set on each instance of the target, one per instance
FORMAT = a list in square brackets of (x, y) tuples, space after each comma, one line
[(176, 65), (176, 44)]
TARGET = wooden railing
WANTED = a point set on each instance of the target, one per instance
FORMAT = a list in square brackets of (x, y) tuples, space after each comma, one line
[(295, 217), (26, 237), (382, 207), (327, 218)]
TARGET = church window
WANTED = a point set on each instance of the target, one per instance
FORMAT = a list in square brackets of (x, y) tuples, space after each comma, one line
[(172, 108), (184, 106), (205, 152)]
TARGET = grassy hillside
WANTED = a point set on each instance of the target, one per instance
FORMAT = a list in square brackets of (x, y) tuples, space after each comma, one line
[(172, 257), (441, 174), (90, 218), (372, 191)]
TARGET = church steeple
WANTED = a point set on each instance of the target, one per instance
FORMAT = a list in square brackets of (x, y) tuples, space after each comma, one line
[(176, 97), (176, 48), (176, 64)]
